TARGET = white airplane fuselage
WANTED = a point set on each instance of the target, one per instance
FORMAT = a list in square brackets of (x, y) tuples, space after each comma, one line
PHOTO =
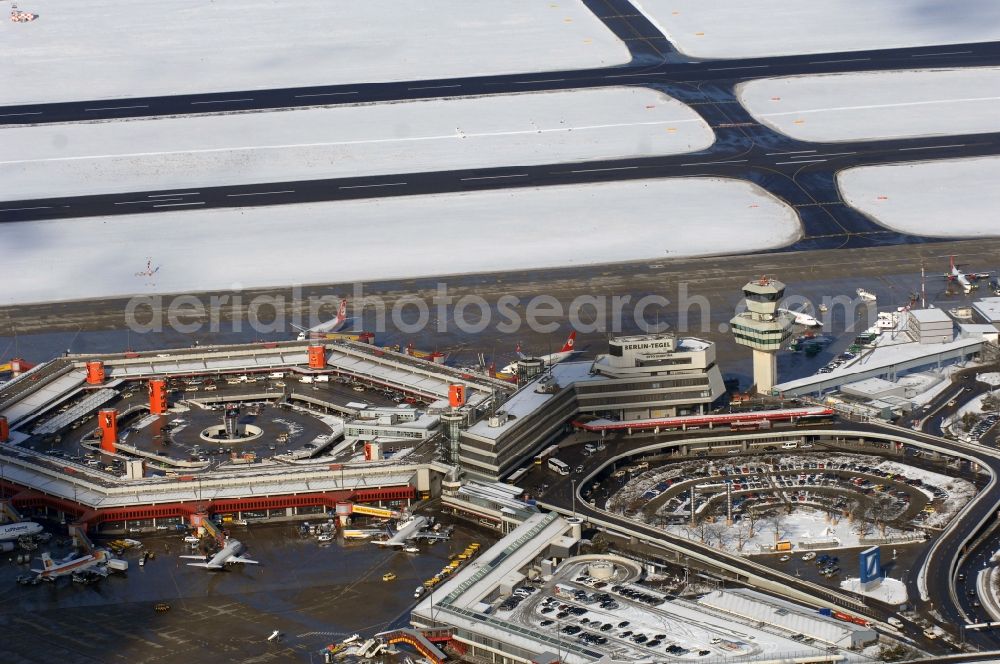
[(12, 531)]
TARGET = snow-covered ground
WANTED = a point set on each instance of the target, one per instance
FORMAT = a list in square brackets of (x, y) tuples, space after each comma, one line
[(109, 49), (890, 591), (873, 105), (345, 141), (990, 377), (948, 198), (418, 236), (735, 29)]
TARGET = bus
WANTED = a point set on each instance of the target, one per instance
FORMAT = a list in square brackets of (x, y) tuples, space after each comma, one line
[(546, 454), (558, 466), (516, 476), (749, 425)]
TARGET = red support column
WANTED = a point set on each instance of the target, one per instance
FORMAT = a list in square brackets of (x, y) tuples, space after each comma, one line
[(108, 420), (158, 396), (95, 373), (4, 430), (317, 357)]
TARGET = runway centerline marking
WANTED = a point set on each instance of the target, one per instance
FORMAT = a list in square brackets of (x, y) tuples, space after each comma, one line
[(40, 207), (871, 106), (262, 193), (601, 170), (544, 80), (827, 154), (743, 67), (365, 186), (116, 108), (179, 193), (771, 154), (804, 161), (435, 87), (708, 163), (830, 62), (934, 147), (162, 200), (178, 204), (221, 101), (325, 94), (496, 177), (931, 55), (14, 115)]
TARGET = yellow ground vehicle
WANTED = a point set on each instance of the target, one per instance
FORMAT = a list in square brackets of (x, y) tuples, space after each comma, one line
[(388, 576)]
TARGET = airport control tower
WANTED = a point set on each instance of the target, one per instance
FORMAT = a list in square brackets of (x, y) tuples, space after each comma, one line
[(763, 328)]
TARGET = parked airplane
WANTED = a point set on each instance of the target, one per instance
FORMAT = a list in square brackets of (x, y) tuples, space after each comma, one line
[(52, 570), (12, 531), (564, 353), (329, 327), (802, 318), (965, 279), (406, 530), (230, 554)]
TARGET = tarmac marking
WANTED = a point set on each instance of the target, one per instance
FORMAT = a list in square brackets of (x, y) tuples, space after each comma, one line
[(222, 101), (627, 75), (934, 147), (325, 94), (41, 207), (365, 186), (496, 177), (706, 163), (544, 80), (179, 193), (931, 55), (600, 170), (830, 62), (162, 200), (14, 115), (116, 108), (262, 193), (804, 161), (771, 154), (827, 154), (435, 87), (178, 204), (871, 106), (743, 67)]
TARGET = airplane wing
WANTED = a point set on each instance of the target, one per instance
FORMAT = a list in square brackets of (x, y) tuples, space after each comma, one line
[(241, 559), (195, 557), (205, 565)]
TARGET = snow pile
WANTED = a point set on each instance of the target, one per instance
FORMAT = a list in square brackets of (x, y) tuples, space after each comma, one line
[(345, 141), (425, 235), (890, 591), (876, 105), (947, 198), (735, 29), (139, 49)]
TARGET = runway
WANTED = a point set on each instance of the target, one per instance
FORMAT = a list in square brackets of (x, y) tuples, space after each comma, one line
[(799, 173)]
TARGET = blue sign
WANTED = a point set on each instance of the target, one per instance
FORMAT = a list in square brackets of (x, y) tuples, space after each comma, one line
[(871, 564)]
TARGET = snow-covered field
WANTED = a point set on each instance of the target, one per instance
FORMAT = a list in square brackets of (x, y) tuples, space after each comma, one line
[(109, 49), (735, 29), (418, 236), (948, 198), (873, 105), (990, 378), (890, 591), (345, 141)]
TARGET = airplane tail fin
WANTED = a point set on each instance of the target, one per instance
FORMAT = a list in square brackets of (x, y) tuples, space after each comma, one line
[(342, 311), (568, 346), (47, 561), (518, 350)]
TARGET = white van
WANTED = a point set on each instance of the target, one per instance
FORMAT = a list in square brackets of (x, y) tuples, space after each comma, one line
[(791, 445), (895, 622), (276, 374), (306, 379), (323, 379)]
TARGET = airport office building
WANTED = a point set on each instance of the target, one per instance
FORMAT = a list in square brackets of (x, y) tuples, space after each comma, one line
[(639, 377)]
